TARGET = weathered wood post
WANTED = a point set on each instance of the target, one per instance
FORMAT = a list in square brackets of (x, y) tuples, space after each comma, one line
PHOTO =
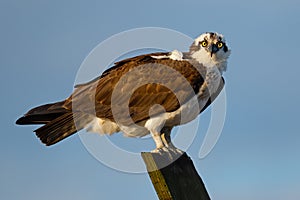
[(174, 178)]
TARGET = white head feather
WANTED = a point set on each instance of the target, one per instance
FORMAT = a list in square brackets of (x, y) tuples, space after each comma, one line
[(206, 51)]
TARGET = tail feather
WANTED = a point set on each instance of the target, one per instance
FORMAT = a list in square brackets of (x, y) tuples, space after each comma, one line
[(62, 127), (59, 122), (43, 114), (38, 119)]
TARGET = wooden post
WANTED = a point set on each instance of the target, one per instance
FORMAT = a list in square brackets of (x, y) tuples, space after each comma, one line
[(177, 181)]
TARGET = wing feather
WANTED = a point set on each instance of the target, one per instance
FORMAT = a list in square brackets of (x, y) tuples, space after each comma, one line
[(118, 82)]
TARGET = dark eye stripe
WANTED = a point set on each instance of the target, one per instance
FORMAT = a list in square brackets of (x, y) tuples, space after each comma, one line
[(225, 47)]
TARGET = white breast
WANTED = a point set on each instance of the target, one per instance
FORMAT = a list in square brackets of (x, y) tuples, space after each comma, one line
[(204, 58)]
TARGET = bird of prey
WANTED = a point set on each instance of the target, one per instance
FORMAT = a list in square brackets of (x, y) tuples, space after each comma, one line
[(146, 94)]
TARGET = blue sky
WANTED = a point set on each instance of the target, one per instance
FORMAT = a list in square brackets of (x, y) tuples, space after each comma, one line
[(43, 44)]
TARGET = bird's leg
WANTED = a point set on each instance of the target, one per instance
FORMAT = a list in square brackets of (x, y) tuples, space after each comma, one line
[(166, 136), (164, 144), (158, 141)]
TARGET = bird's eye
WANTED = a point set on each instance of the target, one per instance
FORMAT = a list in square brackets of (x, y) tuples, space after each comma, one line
[(204, 43), (220, 45)]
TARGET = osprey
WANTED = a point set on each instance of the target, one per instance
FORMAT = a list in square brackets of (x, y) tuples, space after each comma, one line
[(146, 94)]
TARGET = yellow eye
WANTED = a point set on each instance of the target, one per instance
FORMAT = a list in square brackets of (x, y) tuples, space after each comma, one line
[(220, 44), (204, 43)]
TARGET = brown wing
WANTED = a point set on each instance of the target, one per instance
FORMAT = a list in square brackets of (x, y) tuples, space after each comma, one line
[(131, 88)]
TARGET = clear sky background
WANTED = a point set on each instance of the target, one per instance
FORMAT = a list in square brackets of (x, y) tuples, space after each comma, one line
[(43, 43)]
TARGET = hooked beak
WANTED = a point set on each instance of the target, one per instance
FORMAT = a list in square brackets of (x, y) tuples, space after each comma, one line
[(213, 49)]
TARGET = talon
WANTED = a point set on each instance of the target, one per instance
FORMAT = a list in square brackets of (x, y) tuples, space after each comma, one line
[(155, 151)]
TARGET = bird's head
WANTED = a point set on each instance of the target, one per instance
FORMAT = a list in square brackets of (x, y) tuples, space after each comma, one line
[(210, 49)]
